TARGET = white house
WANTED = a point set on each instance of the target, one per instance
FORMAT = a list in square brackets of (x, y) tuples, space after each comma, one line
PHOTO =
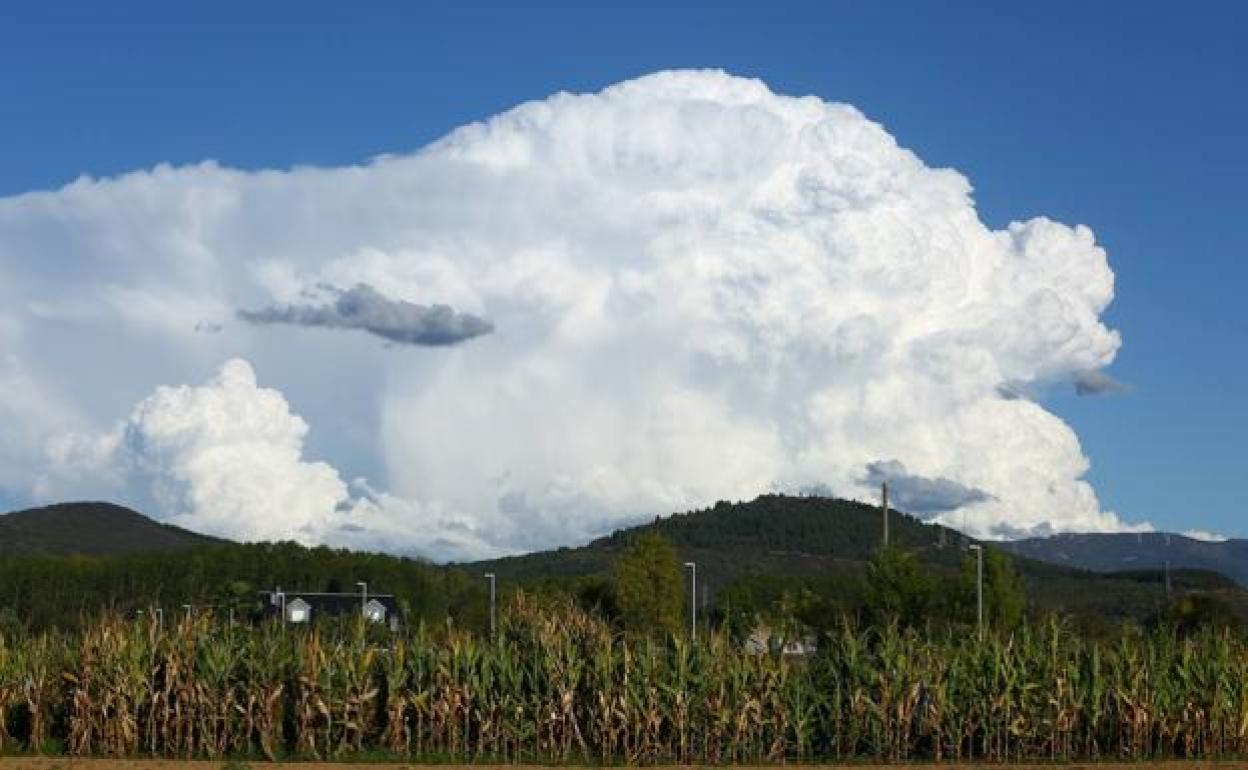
[(762, 640), (298, 611), (375, 611), (300, 606)]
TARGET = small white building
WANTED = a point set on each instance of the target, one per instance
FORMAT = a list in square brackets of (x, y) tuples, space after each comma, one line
[(375, 611), (301, 606), (298, 611), (763, 640)]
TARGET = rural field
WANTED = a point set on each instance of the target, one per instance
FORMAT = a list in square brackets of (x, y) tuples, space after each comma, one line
[(559, 686)]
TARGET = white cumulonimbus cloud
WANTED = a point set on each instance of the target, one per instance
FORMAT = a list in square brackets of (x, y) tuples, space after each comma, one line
[(696, 289)]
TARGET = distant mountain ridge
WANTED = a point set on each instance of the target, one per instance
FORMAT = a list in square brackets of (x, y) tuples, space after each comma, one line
[(1129, 551), (770, 534), (773, 541), (91, 529)]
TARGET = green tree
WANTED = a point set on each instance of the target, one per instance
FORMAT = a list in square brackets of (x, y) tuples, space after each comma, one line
[(898, 588), (649, 587), (1193, 612), (1004, 598)]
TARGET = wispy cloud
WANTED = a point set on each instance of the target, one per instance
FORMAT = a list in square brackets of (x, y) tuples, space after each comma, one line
[(1206, 536), (1094, 382)]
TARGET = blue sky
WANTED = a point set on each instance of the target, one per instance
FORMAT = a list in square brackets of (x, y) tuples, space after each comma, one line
[(1129, 118)]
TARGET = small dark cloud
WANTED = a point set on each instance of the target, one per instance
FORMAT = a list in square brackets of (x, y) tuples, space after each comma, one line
[(1014, 391), (1094, 382), (1006, 531), (208, 327), (920, 494), (363, 307)]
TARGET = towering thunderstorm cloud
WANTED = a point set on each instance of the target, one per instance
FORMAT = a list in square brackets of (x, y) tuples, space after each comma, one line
[(697, 289), (363, 307)]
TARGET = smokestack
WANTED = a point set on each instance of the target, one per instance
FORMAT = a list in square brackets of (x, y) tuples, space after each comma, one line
[(884, 509), (1169, 588)]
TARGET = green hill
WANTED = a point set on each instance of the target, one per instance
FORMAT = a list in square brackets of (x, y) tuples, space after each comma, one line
[(40, 591), (62, 562), (777, 543), (90, 529), (770, 535)]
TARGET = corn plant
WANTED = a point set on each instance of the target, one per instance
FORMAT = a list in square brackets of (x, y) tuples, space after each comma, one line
[(559, 685)]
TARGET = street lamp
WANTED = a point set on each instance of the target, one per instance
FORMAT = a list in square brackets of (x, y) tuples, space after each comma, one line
[(363, 598), (693, 601), (188, 608), (979, 586), (490, 577)]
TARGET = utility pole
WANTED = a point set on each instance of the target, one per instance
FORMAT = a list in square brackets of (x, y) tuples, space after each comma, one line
[(979, 587), (693, 601), (493, 623), (363, 598), (884, 509), (1169, 587)]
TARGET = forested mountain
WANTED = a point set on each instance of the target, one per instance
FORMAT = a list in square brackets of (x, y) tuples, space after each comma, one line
[(1153, 550), (92, 529), (759, 554), (778, 545), (770, 535), (40, 591)]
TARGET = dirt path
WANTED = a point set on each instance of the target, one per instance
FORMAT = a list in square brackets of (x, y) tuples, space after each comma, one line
[(70, 763)]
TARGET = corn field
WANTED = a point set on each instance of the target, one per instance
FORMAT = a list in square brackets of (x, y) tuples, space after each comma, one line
[(561, 686)]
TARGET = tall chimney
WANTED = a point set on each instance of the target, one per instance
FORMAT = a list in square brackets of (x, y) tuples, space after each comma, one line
[(884, 509)]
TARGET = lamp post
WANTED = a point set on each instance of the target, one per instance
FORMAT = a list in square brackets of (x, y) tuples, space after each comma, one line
[(979, 586), (693, 601), (363, 598), (188, 609), (493, 625)]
